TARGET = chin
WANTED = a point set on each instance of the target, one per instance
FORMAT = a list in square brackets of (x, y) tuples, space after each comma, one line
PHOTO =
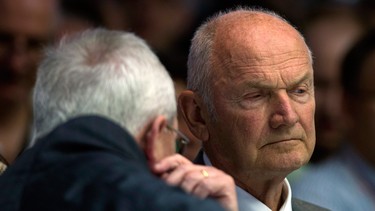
[(14, 96), (290, 162)]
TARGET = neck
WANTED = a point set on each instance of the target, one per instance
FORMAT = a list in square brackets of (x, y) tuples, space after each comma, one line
[(14, 125), (267, 188), (269, 192), (9, 110)]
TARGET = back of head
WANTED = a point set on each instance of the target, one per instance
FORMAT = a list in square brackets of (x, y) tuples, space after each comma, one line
[(109, 73)]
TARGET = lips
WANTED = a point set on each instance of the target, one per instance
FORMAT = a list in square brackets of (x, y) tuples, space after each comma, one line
[(281, 140), (285, 140)]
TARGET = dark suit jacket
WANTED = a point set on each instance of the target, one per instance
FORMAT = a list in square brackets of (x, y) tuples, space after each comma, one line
[(297, 204), (89, 163)]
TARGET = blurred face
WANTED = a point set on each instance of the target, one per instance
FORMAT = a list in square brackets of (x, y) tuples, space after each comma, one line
[(328, 99), (363, 113), (25, 26), (153, 20), (329, 40), (264, 100)]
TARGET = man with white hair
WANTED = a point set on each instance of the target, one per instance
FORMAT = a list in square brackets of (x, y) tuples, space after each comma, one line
[(104, 135)]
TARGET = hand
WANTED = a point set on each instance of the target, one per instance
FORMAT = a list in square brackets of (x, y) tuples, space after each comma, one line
[(201, 181)]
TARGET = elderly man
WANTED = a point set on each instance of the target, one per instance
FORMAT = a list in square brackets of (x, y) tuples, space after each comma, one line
[(251, 102), (25, 26), (91, 89)]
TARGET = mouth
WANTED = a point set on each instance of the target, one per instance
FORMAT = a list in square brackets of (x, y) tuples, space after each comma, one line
[(284, 141)]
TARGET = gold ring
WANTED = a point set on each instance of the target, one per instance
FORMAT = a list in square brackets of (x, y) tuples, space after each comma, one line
[(204, 173)]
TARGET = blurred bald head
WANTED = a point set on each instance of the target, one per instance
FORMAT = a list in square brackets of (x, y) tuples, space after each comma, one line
[(25, 27)]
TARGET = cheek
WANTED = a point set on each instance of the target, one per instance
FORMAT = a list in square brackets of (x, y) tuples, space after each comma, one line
[(308, 123), (306, 113), (164, 148), (242, 125), (172, 148), (244, 132)]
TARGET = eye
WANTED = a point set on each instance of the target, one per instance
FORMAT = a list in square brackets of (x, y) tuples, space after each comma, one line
[(299, 91), (254, 96), (300, 94), (253, 99)]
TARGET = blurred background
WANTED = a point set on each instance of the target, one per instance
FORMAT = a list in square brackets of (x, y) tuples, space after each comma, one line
[(341, 179), (330, 28)]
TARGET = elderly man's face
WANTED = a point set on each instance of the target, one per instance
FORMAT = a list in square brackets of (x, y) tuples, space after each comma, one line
[(25, 27), (263, 94)]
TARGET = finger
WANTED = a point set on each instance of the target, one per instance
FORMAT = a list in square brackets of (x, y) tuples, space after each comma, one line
[(177, 176), (204, 181), (220, 188), (169, 163), (202, 189), (215, 183), (186, 176), (192, 179), (190, 172)]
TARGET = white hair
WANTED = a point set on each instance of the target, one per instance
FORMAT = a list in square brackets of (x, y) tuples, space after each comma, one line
[(108, 73), (200, 60)]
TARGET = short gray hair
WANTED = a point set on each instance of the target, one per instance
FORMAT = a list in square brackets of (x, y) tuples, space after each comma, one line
[(200, 55), (108, 73)]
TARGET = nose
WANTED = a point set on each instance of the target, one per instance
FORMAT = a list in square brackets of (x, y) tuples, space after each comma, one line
[(283, 111), (17, 55)]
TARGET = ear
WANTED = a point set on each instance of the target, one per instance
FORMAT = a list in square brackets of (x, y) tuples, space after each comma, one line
[(154, 135), (194, 113)]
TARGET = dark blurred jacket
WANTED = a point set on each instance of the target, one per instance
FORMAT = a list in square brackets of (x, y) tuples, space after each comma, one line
[(89, 163)]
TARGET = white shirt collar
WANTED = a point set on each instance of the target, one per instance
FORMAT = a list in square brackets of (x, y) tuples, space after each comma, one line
[(248, 202)]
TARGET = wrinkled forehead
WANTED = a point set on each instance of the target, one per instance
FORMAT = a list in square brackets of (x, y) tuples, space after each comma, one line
[(37, 17), (257, 39), (256, 32)]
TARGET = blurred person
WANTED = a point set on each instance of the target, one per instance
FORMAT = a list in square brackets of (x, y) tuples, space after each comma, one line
[(167, 25), (162, 22), (79, 15), (104, 131), (25, 26), (367, 8), (330, 32), (250, 99), (347, 180)]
